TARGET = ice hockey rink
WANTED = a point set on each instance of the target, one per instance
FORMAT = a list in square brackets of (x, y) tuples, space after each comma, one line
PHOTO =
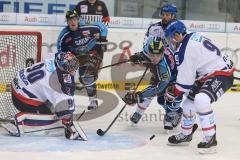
[(218, 20), (128, 142)]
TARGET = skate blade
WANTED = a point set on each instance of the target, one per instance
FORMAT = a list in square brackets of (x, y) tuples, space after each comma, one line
[(179, 144), (211, 150)]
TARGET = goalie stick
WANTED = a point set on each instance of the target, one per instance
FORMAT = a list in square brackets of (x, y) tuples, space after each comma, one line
[(100, 132)]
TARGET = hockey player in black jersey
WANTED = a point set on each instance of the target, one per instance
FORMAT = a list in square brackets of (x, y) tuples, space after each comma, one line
[(163, 69), (86, 42)]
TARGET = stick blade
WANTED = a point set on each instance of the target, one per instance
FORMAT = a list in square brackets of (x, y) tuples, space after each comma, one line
[(80, 130), (100, 132)]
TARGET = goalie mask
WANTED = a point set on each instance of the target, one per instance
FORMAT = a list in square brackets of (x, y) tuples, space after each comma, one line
[(154, 49), (67, 62)]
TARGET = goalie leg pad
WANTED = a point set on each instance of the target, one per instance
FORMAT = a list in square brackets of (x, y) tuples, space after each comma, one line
[(37, 123)]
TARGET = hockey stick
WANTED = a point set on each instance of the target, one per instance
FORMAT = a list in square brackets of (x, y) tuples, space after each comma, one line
[(100, 132), (114, 64), (82, 87), (77, 117), (79, 129)]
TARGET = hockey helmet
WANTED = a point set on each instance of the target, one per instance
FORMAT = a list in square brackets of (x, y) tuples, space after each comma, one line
[(67, 62), (172, 28), (175, 27), (153, 49), (169, 8), (71, 14), (155, 45)]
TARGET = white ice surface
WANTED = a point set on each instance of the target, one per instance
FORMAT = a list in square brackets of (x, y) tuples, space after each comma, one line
[(126, 142)]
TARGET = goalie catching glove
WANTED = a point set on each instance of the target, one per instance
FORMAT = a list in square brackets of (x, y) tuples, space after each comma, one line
[(132, 98)]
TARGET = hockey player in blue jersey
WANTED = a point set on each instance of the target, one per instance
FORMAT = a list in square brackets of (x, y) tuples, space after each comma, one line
[(205, 74), (87, 43), (162, 66)]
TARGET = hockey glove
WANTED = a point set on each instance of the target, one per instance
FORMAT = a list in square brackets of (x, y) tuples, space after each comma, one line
[(171, 94), (132, 98), (136, 58)]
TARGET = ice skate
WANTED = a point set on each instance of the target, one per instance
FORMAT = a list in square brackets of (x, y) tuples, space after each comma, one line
[(181, 139), (208, 146), (135, 118), (172, 119), (93, 105)]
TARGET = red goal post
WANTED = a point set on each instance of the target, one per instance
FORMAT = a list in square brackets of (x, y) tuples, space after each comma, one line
[(18, 49)]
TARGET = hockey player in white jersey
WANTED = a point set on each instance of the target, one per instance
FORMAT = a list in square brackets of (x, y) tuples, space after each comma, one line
[(205, 74), (168, 13), (43, 93)]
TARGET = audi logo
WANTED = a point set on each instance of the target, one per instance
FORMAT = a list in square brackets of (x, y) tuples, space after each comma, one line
[(43, 19), (128, 22), (4, 18), (213, 26)]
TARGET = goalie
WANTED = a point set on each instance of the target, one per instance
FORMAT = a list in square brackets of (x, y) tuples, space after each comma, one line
[(43, 93), (87, 42), (163, 69)]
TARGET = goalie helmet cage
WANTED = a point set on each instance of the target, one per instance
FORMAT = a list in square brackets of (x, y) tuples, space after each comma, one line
[(18, 49)]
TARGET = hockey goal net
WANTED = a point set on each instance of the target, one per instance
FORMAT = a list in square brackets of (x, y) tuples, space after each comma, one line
[(17, 50)]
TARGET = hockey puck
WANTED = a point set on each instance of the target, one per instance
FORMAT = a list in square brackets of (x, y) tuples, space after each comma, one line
[(153, 136), (100, 132)]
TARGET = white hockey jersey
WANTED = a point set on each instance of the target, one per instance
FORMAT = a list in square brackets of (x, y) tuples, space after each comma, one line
[(198, 58), (154, 30), (43, 83)]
